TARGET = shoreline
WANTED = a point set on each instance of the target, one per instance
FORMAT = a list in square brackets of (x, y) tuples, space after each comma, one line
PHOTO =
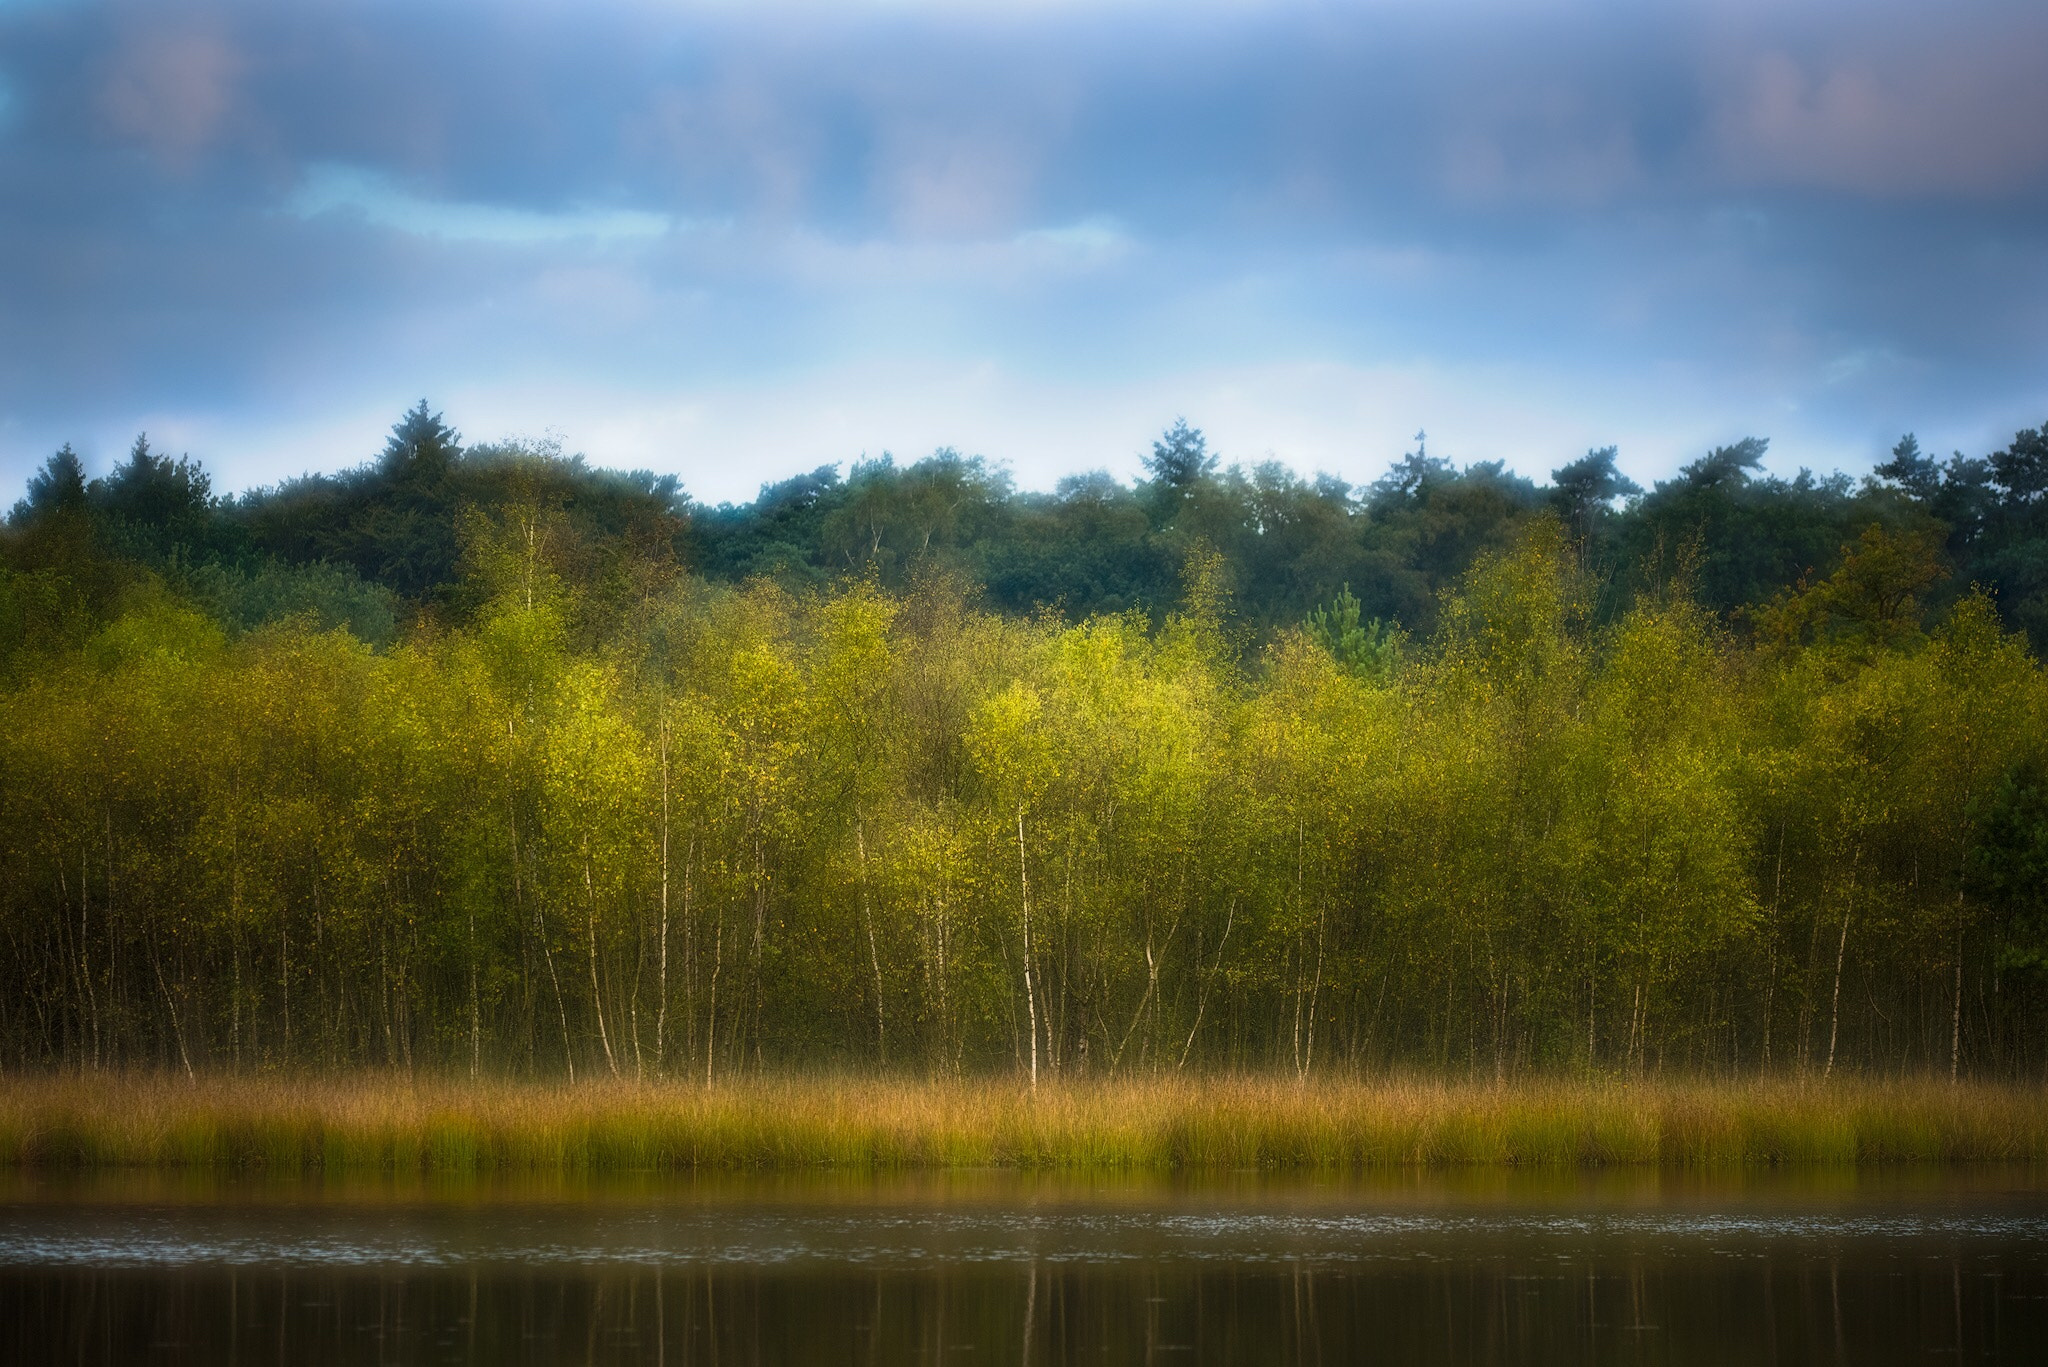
[(853, 1122)]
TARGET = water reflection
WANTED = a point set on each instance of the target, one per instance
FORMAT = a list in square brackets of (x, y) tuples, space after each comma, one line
[(992, 1268)]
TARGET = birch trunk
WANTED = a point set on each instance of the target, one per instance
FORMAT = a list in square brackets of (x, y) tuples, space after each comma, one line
[(1030, 990)]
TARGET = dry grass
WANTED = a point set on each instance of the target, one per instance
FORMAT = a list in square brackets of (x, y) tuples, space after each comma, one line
[(441, 1126)]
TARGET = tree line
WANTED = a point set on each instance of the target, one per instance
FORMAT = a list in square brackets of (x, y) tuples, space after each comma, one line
[(539, 793), (379, 548)]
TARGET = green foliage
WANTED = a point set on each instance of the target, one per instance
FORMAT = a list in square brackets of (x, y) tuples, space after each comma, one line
[(331, 597), (57, 488), (2010, 862), (1741, 539), (421, 448), (1370, 649), (732, 829), (1871, 601), (450, 762), (1180, 459), (1584, 491)]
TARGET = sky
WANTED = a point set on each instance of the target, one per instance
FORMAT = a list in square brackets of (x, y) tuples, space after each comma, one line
[(733, 240)]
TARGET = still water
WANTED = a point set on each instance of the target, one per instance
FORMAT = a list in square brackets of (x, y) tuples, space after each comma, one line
[(992, 1268)]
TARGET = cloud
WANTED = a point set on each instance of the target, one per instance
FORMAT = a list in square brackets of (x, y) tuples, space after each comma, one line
[(1912, 119), (170, 90), (940, 182), (377, 200), (1087, 242), (303, 214)]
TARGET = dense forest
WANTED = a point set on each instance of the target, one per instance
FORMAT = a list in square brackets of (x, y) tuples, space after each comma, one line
[(478, 759)]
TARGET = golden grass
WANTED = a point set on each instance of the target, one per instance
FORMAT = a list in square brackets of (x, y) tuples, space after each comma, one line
[(1216, 1124)]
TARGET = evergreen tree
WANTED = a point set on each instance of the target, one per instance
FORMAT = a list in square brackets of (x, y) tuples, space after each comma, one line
[(59, 487), (1586, 488), (421, 448)]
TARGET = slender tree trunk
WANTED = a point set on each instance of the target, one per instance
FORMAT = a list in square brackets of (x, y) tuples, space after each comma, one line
[(1807, 997), (690, 956), (1955, 1028), (1300, 951), (1835, 1001), (943, 931), (1631, 1057), (385, 1007), (113, 936), (633, 996), (1202, 992), (1030, 990), (402, 1001), (874, 953), (235, 932), (540, 934), (561, 1007), (90, 997), (760, 939), (177, 1027), (325, 1010), (1771, 975), (70, 1046), (596, 992), (284, 973), (1372, 1023), (711, 1014), (1315, 992), (1770, 997), (1592, 1005), (1144, 1004), (661, 1010), (476, 1045)]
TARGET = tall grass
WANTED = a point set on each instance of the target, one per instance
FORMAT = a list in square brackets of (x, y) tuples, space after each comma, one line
[(1239, 1122)]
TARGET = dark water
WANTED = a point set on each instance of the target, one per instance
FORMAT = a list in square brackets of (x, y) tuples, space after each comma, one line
[(1652, 1268)]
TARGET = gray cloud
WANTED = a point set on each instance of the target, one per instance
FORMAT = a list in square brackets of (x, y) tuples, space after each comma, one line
[(1832, 217)]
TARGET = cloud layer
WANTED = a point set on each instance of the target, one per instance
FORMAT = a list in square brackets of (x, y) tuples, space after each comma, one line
[(733, 240)]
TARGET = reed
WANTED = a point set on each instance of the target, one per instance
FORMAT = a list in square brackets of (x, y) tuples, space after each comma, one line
[(866, 1123)]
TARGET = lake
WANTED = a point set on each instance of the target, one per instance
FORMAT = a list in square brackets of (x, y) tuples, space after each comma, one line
[(1480, 1267)]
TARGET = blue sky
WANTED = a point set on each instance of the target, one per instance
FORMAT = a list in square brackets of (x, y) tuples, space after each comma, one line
[(738, 240)]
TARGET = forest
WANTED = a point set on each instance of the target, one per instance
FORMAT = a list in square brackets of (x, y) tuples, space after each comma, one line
[(481, 762)]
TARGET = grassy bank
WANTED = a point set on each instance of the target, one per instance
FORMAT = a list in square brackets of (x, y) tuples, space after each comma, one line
[(1158, 1124)]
